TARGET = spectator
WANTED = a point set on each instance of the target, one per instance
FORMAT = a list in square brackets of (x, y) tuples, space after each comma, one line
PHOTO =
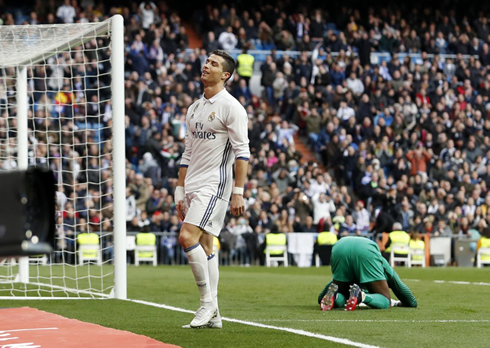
[(323, 206), (150, 169), (361, 217), (210, 44), (317, 26), (348, 227), (242, 232), (284, 41), (242, 91), (227, 39), (388, 43), (355, 84), (345, 112), (281, 177), (308, 226), (303, 207), (154, 203), (66, 13), (148, 12), (419, 159)]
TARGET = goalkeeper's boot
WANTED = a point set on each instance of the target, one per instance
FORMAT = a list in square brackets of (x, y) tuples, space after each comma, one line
[(328, 300), (203, 316), (356, 297)]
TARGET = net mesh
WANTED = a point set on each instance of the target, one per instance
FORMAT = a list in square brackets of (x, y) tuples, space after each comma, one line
[(69, 131)]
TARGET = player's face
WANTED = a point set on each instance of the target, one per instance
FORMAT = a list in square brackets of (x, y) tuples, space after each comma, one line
[(212, 72)]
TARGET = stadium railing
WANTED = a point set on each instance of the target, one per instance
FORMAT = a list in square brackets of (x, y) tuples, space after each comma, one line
[(300, 250), (376, 57), (441, 250)]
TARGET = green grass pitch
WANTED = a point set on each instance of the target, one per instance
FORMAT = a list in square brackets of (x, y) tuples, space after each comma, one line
[(450, 314)]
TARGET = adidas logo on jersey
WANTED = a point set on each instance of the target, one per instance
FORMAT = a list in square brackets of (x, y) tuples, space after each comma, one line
[(210, 224)]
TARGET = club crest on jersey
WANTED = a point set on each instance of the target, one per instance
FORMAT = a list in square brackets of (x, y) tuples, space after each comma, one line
[(212, 117)]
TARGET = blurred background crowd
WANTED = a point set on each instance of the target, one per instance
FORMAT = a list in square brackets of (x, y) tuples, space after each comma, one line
[(391, 102)]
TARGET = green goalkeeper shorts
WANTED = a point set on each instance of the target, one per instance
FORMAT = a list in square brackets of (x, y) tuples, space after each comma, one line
[(357, 260)]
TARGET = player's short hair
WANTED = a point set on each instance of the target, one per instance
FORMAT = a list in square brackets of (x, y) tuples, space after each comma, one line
[(229, 64)]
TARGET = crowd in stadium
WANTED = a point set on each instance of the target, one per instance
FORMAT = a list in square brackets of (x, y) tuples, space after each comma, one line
[(408, 138)]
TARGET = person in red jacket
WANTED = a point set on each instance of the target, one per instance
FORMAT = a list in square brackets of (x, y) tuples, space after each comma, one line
[(418, 158)]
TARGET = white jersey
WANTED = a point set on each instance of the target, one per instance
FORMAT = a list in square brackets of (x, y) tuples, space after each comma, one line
[(217, 134)]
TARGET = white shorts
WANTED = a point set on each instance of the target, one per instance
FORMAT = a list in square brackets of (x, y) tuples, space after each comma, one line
[(205, 211)]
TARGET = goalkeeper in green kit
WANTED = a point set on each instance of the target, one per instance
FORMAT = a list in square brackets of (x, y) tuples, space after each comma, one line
[(362, 275)]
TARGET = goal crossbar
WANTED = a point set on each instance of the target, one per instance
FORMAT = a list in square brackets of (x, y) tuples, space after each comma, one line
[(32, 44)]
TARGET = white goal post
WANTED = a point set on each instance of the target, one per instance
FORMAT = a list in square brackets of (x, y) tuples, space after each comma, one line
[(62, 107)]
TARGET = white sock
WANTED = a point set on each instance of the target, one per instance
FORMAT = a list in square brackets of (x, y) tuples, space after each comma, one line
[(199, 265), (213, 270)]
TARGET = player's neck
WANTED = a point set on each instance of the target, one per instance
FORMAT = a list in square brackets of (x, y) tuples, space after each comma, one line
[(211, 91)]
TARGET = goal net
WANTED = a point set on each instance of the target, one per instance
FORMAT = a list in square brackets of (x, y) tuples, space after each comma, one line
[(62, 107)]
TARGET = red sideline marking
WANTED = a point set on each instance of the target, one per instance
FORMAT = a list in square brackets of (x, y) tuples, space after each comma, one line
[(30, 327)]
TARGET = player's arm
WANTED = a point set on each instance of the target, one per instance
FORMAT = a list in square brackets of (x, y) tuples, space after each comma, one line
[(182, 174), (401, 291), (237, 205), (184, 164), (238, 134), (180, 193)]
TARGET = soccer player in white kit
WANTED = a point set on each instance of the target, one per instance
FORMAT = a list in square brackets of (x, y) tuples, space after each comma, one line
[(216, 138)]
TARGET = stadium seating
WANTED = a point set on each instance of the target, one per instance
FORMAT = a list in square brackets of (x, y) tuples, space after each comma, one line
[(38, 260), (482, 252), (145, 248), (417, 257), (401, 253), (276, 253), (89, 248)]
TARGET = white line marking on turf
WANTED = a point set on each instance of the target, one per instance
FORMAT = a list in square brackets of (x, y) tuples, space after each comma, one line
[(378, 320), (449, 282), (264, 326)]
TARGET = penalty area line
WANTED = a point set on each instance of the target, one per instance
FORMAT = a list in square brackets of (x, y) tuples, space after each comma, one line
[(265, 326)]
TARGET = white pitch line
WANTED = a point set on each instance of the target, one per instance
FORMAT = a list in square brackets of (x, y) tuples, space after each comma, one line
[(448, 282), (264, 326), (36, 329), (377, 320)]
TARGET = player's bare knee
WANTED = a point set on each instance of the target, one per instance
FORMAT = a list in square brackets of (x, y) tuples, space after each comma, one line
[(188, 238), (183, 238)]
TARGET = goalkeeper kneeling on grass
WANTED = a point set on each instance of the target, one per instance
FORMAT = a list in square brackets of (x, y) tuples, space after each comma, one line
[(362, 275)]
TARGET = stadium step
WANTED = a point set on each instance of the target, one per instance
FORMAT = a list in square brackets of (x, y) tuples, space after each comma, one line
[(194, 40), (306, 154)]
